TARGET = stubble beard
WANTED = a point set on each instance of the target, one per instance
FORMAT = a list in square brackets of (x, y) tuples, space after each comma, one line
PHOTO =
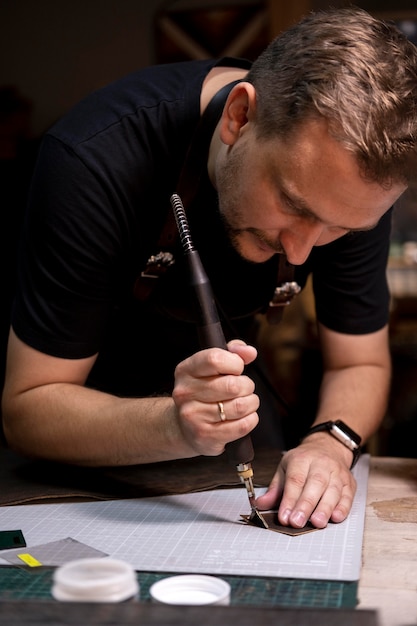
[(228, 176), (227, 184)]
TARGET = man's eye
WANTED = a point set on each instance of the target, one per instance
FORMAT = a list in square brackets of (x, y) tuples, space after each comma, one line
[(297, 210), (290, 205), (300, 212)]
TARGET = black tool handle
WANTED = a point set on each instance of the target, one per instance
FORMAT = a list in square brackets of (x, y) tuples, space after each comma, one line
[(210, 330), (240, 451), (211, 336)]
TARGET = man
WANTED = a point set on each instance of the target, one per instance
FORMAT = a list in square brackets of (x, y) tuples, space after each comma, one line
[(312, 148)]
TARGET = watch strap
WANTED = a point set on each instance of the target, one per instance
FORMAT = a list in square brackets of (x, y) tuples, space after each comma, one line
[(343, 433)]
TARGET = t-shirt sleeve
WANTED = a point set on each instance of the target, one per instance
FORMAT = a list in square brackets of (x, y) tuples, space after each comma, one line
[(99, 195), (66, 269), (350, 280)]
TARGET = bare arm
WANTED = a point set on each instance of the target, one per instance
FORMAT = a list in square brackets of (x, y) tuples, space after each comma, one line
[(357, 374), (314, 480), (49, 413)]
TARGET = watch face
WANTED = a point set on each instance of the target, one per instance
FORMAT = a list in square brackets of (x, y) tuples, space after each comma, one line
[(344, 428)]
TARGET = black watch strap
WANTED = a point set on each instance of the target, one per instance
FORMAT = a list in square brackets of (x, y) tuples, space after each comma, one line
[(340, 431)]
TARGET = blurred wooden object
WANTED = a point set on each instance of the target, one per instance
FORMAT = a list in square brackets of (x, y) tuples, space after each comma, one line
[(191, 29), (281, 15), (389, 564)]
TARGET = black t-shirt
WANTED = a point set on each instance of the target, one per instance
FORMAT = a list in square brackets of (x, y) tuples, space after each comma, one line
[(99, 198)]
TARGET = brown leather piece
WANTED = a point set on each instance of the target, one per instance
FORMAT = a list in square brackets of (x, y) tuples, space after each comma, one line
[(269, 521)]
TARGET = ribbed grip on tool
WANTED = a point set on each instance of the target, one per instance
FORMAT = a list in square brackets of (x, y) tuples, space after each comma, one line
[(210, 331)]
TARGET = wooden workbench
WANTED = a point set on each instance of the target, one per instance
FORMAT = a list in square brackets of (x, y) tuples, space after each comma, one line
[(388, 580)]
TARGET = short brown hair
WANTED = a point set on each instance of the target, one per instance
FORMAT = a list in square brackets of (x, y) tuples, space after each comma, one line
[(357, 72)]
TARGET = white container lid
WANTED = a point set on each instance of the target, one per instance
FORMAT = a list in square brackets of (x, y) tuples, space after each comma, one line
[(191, 589), (95, 580)]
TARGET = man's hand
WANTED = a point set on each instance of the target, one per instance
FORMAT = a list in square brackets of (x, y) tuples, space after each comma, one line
[(313, 483), (97, 428), (201, 382)]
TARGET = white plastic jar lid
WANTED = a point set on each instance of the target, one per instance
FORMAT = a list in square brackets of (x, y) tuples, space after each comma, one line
[(191, 589), (95, 580)]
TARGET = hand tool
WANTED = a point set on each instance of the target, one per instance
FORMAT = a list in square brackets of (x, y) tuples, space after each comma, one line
[(240, 452)]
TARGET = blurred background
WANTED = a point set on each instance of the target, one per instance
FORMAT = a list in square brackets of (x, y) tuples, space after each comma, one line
[(54, 52)]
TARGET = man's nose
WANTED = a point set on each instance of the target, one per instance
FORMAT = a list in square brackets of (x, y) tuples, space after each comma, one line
[(299, 241)]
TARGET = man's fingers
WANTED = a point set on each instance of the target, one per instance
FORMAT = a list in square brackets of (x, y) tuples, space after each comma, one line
[(323, 496)]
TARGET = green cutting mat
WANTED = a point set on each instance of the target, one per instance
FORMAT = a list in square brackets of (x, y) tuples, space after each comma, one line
[(21, 583)]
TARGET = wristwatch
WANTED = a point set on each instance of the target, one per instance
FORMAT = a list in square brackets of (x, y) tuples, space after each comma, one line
[(341, 431)]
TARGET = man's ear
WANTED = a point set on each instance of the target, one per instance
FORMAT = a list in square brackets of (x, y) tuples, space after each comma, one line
[(238, 112)]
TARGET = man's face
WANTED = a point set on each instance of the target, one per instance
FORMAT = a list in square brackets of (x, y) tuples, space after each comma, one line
[(288, 196)]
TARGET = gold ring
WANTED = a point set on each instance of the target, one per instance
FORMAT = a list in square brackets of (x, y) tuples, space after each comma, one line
[(222, 414)]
